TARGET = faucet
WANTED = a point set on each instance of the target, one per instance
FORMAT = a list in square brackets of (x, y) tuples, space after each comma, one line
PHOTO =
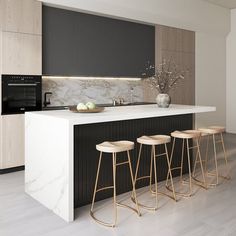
[(131, 95), (46, 99), (118, 101), (114, 102)]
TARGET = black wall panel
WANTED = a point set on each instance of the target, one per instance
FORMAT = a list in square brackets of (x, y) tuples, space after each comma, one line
[(79, 44)]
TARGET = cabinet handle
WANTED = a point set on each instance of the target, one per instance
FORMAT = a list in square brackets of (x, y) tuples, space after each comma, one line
[(22, 85)]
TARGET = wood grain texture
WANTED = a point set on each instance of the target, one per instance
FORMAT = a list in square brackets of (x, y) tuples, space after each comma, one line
[(21, 54), (179, 45), (12, 140), (22, 16)]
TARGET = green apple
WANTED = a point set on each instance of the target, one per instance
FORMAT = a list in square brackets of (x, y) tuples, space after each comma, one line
[(90, 105), (81, 106)]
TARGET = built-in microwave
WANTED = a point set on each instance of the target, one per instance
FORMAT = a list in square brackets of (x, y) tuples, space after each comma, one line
[(21, 93)]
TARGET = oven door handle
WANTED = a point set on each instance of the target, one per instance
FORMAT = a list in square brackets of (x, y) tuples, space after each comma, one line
[(21, 85)]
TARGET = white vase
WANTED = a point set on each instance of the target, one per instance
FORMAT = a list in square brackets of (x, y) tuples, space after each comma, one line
[(163, 100)]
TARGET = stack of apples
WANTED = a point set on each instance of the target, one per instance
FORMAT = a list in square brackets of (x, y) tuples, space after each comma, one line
[(87, 106)]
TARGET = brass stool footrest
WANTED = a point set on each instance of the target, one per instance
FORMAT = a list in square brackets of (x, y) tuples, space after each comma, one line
[(122, 163), (179, 193), (143, 177), (104, 188), (162, 193), (218, 141), (102, 222), (221, 176), (113, 224), (202, 161), (161, 154), (192, 147), (144, 206), (199, 183), (175, 168), (129, 207)]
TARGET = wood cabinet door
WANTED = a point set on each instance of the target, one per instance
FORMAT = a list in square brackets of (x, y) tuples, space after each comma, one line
[(12, 141), (21, 53), (22, 16)]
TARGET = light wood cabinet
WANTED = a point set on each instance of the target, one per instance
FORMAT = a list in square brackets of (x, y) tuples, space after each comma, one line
[(21, 53), (0, 52), (20, 37), (178, 45), (22, 16), (12, 141)]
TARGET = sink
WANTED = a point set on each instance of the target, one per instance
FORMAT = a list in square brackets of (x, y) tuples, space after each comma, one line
[(125, 104)]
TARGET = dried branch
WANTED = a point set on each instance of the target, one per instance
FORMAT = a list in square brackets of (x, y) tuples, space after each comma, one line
[(166, 76)]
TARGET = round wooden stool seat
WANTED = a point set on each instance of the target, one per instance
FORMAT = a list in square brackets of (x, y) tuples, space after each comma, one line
[(211, 130), (113, 147), (186, 134), (154, 139), (220, 129)]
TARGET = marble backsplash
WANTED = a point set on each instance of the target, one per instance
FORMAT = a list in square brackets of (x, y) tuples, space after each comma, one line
[(71, 90)]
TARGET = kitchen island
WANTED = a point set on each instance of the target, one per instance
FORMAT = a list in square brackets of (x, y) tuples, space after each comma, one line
[(60, 154)]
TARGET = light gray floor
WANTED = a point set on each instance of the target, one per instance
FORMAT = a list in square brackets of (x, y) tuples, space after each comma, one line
[(211, 212)]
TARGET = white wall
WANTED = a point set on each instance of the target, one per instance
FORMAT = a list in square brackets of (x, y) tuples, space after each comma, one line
[(211, 23), (231, 76), (211, 77)]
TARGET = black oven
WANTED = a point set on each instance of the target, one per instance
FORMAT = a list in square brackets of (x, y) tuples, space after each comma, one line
[(21, 93)]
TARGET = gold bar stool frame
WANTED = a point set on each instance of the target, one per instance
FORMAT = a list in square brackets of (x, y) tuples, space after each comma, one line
[(114, 148), (186, 136), (153, 141), (213, 131)]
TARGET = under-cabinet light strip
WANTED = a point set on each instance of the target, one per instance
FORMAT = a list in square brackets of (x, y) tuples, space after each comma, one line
[(90, 78)]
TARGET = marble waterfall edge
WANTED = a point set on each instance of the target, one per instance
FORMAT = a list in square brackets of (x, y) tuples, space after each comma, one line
[(49, 163)]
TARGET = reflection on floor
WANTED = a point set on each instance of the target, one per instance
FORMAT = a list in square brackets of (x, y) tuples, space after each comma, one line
[(211, 212)]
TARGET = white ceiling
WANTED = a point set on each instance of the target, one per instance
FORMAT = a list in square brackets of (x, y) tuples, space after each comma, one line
[(224, 3), (230, 4)]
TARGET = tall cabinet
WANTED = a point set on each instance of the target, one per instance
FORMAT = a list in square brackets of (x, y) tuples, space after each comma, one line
[(177, 45), (20, 53)]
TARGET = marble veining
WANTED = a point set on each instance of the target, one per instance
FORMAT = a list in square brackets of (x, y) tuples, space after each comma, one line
[(49, 149), (70, 91)]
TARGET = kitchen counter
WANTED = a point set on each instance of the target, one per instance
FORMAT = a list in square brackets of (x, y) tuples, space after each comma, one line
[(60, 147), (122, 113)]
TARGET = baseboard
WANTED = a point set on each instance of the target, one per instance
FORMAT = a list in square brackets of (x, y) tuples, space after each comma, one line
[(10, 170)]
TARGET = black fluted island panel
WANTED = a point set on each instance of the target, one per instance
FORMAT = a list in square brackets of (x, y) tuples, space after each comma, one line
[(86, 156)]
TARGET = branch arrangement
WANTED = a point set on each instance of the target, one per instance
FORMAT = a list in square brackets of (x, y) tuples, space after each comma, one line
[(166, 76)]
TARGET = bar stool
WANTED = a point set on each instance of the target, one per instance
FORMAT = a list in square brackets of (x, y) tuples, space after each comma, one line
[(187, 135), (153, 141), (212, 131), (114, 148)]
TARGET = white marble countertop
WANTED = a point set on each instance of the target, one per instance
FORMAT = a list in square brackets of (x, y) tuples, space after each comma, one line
[(124, 113), (49, 149)]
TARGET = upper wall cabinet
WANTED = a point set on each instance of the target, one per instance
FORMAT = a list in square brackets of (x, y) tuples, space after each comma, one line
[(22, 16), (21, 53), (78, 44)]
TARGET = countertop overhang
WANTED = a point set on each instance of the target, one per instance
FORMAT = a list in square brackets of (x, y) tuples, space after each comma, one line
[(123, 113)]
